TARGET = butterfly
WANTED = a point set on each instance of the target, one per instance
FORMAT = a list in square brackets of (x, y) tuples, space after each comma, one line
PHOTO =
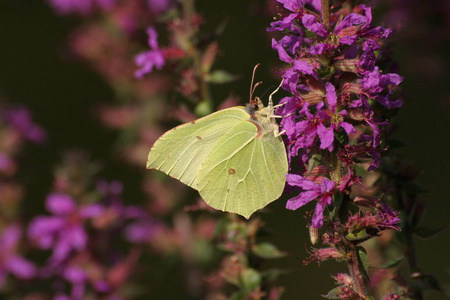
[(235, 158)]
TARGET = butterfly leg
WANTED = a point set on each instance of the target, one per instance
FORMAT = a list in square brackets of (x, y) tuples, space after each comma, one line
[(279, 105), (277, 134)]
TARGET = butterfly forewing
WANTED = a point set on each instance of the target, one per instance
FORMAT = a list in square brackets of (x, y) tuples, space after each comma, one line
[(181, 151)]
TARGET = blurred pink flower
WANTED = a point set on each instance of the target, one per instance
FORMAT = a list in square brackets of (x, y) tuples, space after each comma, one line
[(150, 59), (64, 231), (10, 261), (82, 7)]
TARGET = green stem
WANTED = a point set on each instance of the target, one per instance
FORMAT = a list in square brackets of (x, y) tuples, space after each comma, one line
[(410, 252), (355, 271), (353, 262), (188, 14)]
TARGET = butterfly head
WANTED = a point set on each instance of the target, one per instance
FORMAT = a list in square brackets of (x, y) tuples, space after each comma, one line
[(255, 106)]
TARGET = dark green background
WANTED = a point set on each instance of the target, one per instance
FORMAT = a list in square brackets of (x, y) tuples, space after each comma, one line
[(36, 71)]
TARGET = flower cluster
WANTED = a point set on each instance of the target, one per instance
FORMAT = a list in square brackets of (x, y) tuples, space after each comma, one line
[(336, 91), (84, 224), (338, 104)]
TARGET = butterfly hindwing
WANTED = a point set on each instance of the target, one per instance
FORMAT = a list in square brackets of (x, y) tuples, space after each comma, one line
[(244, 171)]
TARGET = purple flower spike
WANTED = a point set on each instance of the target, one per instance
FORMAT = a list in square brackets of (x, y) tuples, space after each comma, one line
[(10, 261), (311, 191), (153, 58)]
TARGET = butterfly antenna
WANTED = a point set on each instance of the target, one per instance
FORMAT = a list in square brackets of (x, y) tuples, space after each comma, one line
[(253, 87), (270, 96)]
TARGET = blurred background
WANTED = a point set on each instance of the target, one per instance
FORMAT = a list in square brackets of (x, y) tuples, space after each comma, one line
[(66, 94)]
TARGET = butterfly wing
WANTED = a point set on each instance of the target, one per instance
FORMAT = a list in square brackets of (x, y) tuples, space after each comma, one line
[(182, 150), (244, 171)]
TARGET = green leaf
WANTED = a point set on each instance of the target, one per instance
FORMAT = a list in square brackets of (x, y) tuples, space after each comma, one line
[(204, 252), (332, 294), (342, 137), (272, 274), (357, 236), (221, 77), (392, 263), (237, 296), (429, 233), (250, 280), (220, 227), (267, 251), (203, 108), (363, 260)]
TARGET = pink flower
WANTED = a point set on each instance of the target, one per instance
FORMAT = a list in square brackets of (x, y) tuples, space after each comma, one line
[(335, 118), (322, 193), (150, 59), (10, 261), (64, 231)]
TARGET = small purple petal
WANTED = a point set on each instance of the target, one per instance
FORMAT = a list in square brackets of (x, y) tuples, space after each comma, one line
[(77, 237), (331, 96), (320, 48), (60, 204), (311, 23), (351, 20), (297, 180), (290, 81), (317, 219), (281, 52), (92, 210), (75, 274), (327, 186), (347, 127), (281, 25), (41, 230), (304, 67), (152, 38), (61, 250), (326, 136), (140, 232), (10, 237), (348, 39), (20, 267), (302, 199), (291, 43)]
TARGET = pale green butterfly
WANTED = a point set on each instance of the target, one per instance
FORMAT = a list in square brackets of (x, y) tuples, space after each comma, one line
[(234, 157)]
